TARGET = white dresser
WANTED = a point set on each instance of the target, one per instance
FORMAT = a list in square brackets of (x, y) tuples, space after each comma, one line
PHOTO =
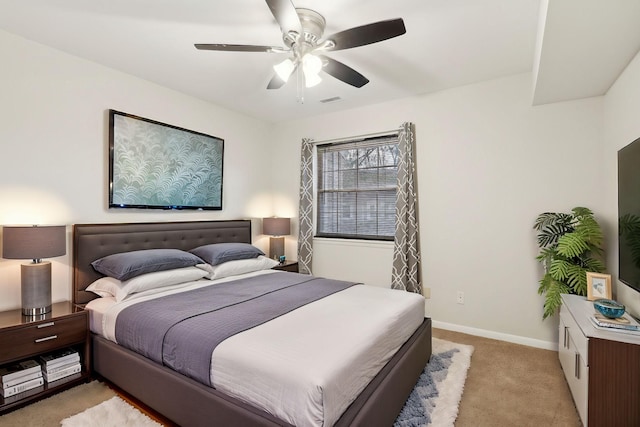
[(602, 368)]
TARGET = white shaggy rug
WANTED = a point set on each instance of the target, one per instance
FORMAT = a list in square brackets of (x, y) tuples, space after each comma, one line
[(435, 398), (433, 402), (114, 412)]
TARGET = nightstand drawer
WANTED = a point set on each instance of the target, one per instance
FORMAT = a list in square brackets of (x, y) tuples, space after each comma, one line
[(37, 338)]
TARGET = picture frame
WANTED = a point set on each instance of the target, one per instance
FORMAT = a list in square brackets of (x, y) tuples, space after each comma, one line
[(154, 165), (598, 286)]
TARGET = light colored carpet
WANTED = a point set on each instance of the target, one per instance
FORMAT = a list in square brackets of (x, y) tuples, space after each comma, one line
[(49, 412), (114, 412), (512, 385)]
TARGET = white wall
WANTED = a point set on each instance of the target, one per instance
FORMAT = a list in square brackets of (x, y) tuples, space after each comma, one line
[(53, 134), (621, 127), (488, 164)]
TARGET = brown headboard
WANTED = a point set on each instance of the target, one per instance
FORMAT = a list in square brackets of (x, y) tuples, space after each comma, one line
[(93, 241)]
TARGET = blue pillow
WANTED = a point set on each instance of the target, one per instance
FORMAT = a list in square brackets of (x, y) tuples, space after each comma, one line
[(125, 265), (217, 253)]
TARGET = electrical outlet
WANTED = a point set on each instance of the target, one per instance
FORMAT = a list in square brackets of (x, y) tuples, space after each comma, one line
[(460, 297), (426, 292)]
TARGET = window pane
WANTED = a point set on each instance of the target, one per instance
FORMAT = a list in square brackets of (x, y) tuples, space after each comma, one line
[(348, 159), (327, 213), (389, 155), (368, 157), (388, 177), (348, 179), (387, 212), (347, 213), (367, 213), (357, 188)]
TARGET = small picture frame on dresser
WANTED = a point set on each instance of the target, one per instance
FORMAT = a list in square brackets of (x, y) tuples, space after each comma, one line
[(598, 286)]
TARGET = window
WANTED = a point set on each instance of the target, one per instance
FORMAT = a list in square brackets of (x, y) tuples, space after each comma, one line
[(356, 188)]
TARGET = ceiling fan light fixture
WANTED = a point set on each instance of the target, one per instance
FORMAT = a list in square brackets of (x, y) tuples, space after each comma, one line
[(284, 69), (311, 80), (302, 33), (311, 67), (311, 64)]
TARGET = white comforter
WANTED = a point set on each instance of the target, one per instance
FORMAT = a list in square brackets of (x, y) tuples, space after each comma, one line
[(305, 367)]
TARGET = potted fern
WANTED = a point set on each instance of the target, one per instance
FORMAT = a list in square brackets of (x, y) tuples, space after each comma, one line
[(570, 246)]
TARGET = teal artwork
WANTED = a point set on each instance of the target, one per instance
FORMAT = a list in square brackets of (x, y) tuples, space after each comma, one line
[(154, 165)]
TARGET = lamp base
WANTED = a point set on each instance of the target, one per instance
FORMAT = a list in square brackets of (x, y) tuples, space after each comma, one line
[(36, 288), (276, 247)]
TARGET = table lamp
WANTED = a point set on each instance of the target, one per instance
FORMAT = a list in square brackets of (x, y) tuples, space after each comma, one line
[(276, 228), (34, 242)]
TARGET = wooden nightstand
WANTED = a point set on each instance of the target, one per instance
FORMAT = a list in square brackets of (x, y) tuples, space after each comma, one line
[(291, 266), (25, 337)]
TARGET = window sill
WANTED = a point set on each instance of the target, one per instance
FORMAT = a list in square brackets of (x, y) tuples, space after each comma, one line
[(353, 242)]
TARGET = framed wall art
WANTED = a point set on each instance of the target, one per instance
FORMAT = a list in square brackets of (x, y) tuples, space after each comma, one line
[(154, 165), (598, 286)]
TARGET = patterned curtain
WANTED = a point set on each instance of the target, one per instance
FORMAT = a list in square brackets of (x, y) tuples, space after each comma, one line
[(406, 272), (305, 214)]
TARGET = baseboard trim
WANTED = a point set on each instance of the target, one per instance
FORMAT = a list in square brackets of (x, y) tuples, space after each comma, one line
[(496, 335)]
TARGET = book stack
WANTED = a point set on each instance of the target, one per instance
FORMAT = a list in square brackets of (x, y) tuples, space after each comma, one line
[(60, 364), (625, 323), (20, 377)]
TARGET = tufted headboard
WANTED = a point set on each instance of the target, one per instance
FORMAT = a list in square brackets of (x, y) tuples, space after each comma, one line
[(93, 241)]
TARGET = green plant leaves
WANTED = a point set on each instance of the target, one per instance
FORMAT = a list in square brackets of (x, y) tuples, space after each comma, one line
[(570, 246), (551, 233), (551, 218), (552, 298)]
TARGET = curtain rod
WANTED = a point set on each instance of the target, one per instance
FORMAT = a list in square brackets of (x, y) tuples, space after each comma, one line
[(357, 137)]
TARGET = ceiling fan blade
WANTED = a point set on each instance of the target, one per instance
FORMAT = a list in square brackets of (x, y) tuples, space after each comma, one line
[(285, 13), (343, 72), (367, 34), (240, 48)]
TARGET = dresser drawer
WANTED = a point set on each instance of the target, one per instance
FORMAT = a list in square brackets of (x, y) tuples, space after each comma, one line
[(575, 369), (571, 329), (37, 338)]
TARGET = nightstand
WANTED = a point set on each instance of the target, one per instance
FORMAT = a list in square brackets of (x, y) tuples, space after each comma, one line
[(291, 266), (26, 337)]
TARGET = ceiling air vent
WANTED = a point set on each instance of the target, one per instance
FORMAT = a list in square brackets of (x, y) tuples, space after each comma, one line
[(334, 99)]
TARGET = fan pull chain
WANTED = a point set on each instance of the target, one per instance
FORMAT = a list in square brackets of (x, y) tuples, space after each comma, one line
[(300, 85)]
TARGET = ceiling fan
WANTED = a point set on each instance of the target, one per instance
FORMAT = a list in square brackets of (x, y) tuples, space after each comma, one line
[(302, 31)]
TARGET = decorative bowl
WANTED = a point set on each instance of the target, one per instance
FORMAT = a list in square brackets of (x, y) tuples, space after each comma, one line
[(609, 308)]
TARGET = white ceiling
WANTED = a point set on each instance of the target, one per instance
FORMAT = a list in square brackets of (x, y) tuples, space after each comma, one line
[(584, 47), (448, 43)]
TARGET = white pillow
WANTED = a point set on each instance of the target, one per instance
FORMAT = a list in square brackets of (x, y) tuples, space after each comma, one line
[(158, 279), (105, 286), (108, 286), (240, 266)]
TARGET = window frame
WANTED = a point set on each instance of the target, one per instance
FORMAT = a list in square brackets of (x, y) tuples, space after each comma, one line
[(356, 142)]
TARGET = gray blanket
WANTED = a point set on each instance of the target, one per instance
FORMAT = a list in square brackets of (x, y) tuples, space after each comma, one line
[(181, 331)]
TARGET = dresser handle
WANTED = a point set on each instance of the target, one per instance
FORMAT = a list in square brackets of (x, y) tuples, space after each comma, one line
[(576, 370), (52, 337), (566, 341), (45, 325)]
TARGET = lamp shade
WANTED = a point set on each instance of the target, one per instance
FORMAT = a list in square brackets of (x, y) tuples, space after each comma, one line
[(33, 242), (276, 226)]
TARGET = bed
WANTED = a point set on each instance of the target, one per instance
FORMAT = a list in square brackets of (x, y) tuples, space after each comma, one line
[(189, 402)]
